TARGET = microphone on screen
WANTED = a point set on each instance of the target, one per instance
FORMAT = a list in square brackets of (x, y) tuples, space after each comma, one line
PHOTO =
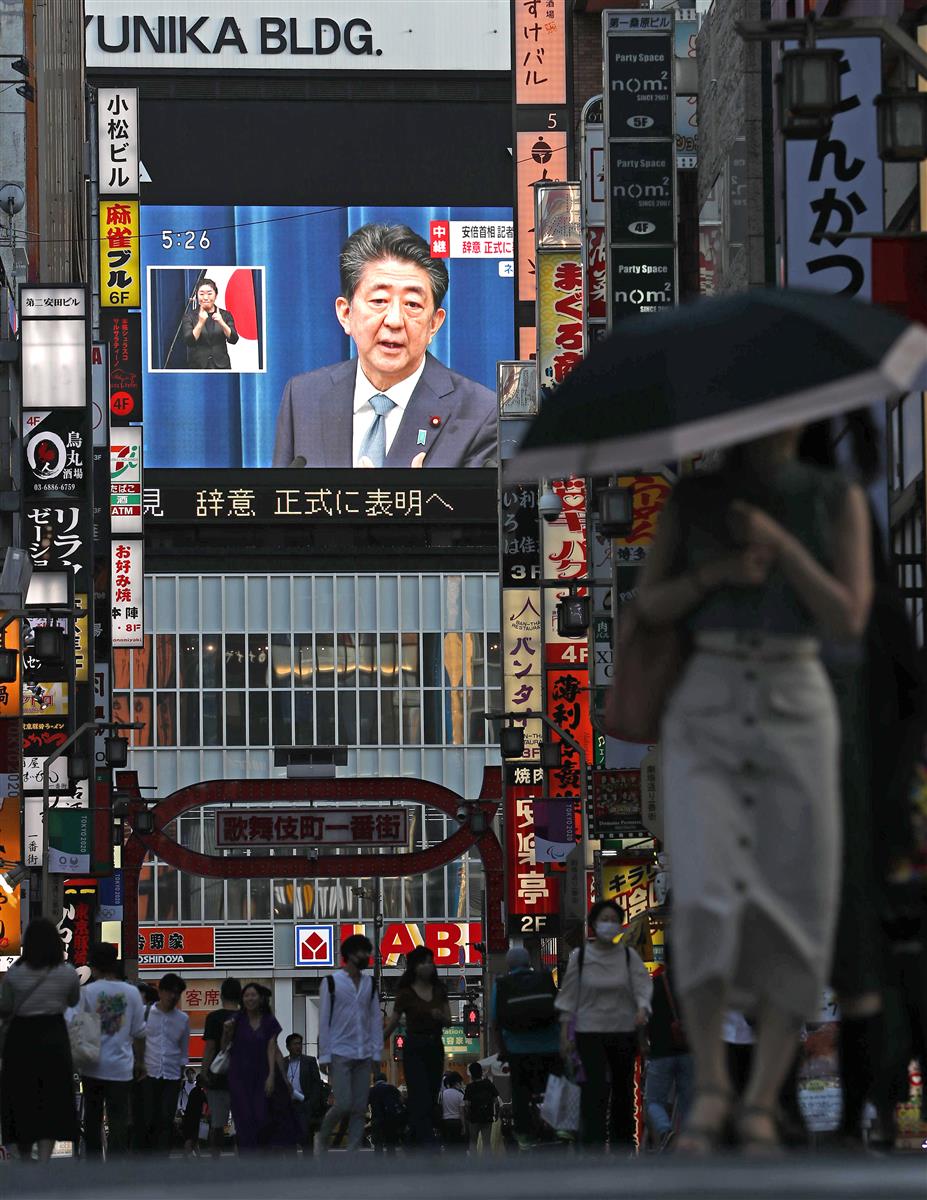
[(299, 461)]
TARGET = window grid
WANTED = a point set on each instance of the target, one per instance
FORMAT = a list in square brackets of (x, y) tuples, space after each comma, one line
[(463, 672)]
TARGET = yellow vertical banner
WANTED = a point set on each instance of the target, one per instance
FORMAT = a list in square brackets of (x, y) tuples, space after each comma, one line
[(120, 259)]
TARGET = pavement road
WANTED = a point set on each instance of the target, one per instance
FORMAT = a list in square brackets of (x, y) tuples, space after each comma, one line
[(526, 1177)]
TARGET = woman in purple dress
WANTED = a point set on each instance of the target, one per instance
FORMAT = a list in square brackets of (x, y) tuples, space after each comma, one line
[(262, 1107)]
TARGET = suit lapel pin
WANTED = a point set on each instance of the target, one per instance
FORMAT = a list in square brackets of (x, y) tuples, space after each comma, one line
[(434, 422), (421, 438)]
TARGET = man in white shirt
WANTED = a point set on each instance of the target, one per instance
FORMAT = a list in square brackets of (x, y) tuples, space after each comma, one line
[(107, 1083), (167, 1046), (350, 1039)]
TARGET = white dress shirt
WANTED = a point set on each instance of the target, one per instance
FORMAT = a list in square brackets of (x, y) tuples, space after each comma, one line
[(167, 1043), (351, 1025), (399, 393), (292, 1072)]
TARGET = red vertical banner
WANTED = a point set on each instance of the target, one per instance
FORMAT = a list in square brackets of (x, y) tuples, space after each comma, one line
[(540, 57), (567, 697), (532, 898)]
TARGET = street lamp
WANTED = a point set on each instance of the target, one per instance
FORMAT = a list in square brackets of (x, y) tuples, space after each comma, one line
[(49, 644), (811, 81), (902, 126)]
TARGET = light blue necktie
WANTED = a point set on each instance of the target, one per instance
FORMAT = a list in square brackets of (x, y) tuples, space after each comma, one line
[(373, 445)]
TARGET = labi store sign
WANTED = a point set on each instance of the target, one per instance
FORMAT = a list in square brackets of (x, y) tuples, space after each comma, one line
[(453, 35)]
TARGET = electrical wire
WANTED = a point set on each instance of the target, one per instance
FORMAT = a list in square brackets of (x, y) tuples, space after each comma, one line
[(33, 235)]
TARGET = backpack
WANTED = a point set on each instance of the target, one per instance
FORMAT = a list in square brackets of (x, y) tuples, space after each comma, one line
[(330, 980), (481, 1099), (392, 1111), (525, 1001)]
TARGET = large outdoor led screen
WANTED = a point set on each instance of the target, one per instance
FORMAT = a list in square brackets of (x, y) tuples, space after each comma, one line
[(248, 363)]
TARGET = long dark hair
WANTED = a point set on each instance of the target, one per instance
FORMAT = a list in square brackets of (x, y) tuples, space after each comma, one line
[(42, 944), (264, 994), (819, 442), (414, 959)]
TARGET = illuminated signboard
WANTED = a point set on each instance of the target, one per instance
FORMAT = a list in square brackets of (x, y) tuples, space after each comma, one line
[(319, 497), (252, 359)]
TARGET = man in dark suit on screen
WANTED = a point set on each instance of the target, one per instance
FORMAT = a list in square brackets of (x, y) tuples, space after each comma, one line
[(394, 405)]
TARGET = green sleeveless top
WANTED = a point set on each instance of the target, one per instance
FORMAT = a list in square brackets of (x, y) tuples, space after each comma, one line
[(806, 500)]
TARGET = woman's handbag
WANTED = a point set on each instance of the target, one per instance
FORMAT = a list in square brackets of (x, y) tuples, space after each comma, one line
[(6, 991), (648, 662), (84, 1033), (221, 1063), (560, 1106)]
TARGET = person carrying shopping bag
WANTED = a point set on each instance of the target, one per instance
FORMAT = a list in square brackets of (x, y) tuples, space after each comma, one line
[(604, 1000)]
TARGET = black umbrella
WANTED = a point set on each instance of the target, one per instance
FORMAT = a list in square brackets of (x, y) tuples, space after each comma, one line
[(716, 372)]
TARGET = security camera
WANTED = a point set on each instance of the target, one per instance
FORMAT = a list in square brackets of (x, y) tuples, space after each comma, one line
[(12, 198), (550, 506), (462, 814)]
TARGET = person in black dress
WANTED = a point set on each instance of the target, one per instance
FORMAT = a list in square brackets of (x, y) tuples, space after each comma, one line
[(422, 999), (37, 1078), (208, 331)]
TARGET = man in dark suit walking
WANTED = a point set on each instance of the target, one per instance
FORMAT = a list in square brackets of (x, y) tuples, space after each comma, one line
[(302, 1072), (395, 405)]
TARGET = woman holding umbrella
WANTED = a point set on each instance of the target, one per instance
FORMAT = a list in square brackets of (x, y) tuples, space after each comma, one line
[(756, 562)]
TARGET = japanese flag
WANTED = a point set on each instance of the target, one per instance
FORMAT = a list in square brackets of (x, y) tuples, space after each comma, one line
[(236, 293)]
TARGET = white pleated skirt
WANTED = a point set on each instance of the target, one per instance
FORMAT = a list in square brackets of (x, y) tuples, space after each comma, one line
[(752, 811)]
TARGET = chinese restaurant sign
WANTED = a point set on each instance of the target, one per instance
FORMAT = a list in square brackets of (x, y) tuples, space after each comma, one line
[(312, 827)]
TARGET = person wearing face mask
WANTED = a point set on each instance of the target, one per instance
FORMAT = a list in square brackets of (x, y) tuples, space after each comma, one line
[(350, 1040), (605, 998), (421, 999)]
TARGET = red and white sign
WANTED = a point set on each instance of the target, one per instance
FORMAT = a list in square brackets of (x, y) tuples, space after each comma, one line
[(312, 827), (564, 556), (315, 946), (128, 589), (125, 487), (466, 239), (164, 948), (531, 893), (453, 943)]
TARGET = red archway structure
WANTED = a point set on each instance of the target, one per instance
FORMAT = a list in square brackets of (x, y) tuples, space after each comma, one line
[(250, 791)]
